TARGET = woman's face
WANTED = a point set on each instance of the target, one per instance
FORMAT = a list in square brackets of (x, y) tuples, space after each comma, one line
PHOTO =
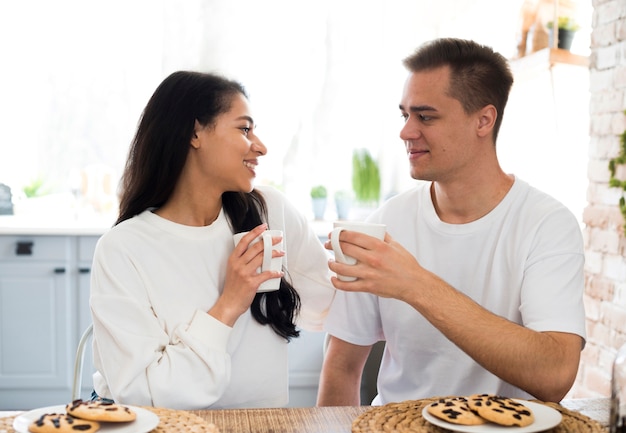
[(226, 153)]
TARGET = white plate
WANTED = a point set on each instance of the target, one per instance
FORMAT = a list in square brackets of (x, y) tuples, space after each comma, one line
[(545, 418), (145, 422)]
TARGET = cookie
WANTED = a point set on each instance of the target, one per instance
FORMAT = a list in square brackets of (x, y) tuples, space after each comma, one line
[(62, 423), (455, 410), (100, 411), (501, 410)]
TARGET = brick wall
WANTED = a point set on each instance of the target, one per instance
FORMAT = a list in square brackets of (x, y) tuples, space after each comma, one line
[(605, 242)]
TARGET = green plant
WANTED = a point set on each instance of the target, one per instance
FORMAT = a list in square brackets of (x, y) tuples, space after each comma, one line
[(319, 191), (365, 177), (565, 23), (615, 182), (34, 188)]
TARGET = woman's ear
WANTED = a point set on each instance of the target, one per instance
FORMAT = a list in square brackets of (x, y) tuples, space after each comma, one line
[(195, 140)]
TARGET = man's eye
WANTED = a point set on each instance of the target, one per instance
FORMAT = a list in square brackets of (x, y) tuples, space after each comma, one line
[(245, 130), (404, 116), (424, 118)]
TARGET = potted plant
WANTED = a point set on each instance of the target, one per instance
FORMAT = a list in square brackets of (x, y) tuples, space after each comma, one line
[(365, 178), (6, 200), (318, 199), (566, 29), (343, 203)]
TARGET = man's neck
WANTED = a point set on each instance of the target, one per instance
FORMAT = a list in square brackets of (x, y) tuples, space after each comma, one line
[(464, 202)]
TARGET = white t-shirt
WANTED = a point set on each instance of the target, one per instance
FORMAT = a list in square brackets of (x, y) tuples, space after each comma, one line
[(522, 261), (153, 282)]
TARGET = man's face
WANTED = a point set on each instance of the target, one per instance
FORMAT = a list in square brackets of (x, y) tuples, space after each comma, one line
[(438, 134)]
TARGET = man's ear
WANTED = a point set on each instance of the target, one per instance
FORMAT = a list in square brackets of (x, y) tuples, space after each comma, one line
[(195, 141), (486, 120)]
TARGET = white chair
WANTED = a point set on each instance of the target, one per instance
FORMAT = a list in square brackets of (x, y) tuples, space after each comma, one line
[(326, 342), (78, 362)]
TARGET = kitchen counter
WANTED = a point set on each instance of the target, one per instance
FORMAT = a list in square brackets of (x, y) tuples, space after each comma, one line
[(88, 226), (54, 225)]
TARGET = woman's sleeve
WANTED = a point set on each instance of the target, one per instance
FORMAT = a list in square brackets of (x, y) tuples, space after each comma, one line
[(141, 362), (306, 262)]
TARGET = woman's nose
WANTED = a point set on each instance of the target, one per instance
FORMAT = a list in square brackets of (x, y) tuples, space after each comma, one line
[(258, 146)]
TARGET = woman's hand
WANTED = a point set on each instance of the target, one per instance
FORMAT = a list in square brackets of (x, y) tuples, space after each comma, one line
[(242, 278)]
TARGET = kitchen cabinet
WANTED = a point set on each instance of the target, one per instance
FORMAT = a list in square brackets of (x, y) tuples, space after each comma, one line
[(44, 308)]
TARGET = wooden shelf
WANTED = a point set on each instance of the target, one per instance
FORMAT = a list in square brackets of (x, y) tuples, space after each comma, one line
[(546, 58)]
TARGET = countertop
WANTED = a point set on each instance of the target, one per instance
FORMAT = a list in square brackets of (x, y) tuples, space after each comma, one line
[(89, 225), (54, 225)]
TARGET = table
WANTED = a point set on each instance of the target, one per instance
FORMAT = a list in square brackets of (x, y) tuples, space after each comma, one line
[(595, 408), (339, 419), (292, 420), (316, 419)]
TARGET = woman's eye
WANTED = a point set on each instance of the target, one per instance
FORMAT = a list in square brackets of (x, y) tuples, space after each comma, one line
[(245, 130)]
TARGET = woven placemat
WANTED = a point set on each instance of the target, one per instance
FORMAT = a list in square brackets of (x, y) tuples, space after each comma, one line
[(180, 421), (170, 421), (6, 424), (406, 416)]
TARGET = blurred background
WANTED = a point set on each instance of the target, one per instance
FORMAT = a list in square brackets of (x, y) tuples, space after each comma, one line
[(324, 78)]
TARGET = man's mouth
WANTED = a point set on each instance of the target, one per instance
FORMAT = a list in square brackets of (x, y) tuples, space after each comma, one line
[(415, 153)]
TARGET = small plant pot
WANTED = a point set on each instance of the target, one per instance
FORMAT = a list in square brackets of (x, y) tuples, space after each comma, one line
[(343, 206), (319, 207), (566, 37)]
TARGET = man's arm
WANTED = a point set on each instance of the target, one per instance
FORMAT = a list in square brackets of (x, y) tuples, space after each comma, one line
[(340, 379), (543, 364)]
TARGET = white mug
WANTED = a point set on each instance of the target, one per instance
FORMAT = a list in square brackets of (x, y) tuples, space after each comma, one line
[(371, 229), (269, 263)]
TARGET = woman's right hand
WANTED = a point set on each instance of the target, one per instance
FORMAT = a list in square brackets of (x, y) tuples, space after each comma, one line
[(242, 279)]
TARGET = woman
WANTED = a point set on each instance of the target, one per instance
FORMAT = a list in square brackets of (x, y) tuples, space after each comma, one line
[(177, 320)]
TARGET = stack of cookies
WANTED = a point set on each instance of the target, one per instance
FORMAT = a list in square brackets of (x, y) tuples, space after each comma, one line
[(482, 408), (82, 416)]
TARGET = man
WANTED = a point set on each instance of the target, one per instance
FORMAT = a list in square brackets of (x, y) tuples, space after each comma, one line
[(477, 286)]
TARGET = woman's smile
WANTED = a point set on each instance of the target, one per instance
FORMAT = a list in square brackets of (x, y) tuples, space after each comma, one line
[(251, 164)]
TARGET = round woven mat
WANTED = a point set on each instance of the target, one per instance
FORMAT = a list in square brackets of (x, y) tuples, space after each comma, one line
[(6, 424), (180, 421), (407, 417), (170, 421)]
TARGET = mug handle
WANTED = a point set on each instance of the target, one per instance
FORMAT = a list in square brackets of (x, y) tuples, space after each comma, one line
[(267, 252), (334, 241)]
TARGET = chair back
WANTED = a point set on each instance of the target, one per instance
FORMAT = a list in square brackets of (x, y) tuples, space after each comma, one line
[(78, 362)]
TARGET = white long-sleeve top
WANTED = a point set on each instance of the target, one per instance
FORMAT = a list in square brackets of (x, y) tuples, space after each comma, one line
[(153, 282)]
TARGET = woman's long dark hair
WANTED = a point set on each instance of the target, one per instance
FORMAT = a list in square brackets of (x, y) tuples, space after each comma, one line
[(156, 159)]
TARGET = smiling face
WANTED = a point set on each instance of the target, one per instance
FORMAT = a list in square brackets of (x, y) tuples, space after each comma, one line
[(438, 134), (226, 153)]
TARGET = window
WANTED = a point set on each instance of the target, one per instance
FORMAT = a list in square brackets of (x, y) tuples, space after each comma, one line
[(324, 78)]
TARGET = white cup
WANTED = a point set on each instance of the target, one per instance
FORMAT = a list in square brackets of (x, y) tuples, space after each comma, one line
[(371, 229), (269, 263)]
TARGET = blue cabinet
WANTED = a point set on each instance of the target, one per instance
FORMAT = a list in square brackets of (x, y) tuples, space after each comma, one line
[(44, 295)]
